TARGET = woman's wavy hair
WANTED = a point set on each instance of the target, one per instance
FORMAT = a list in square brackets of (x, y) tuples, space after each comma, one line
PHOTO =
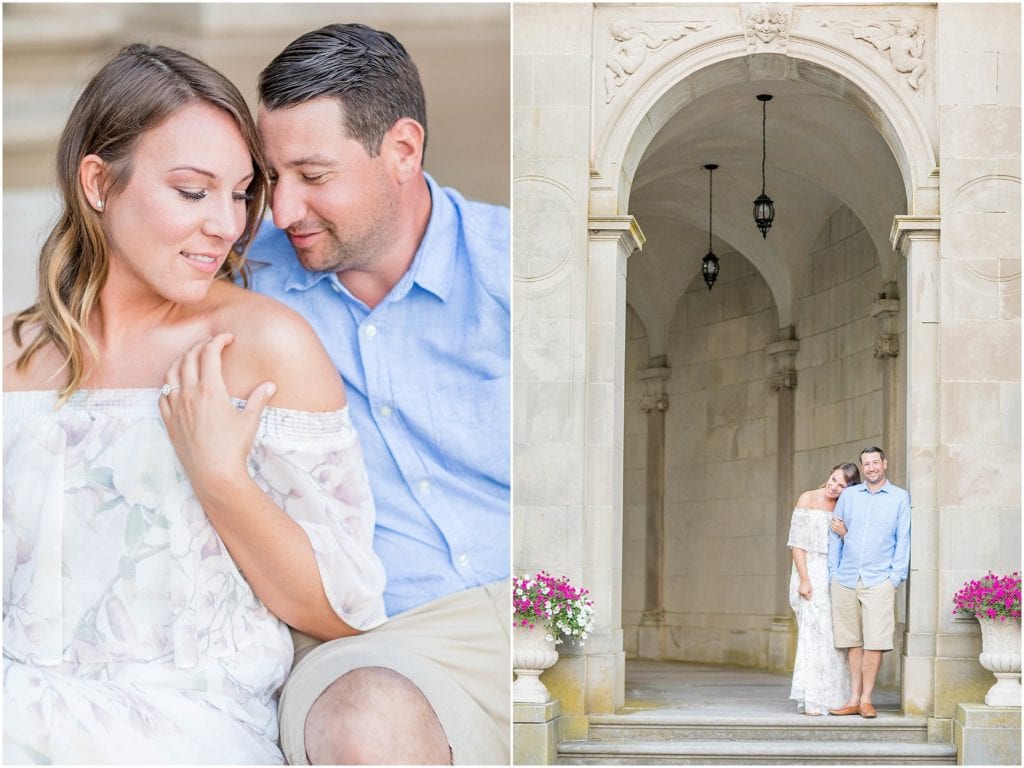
[(851, 473), (135, 92)]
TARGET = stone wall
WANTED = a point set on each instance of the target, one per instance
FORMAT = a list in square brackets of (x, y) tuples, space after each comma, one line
[(975, 509), (839, 391), (634, 484), (720, 484)]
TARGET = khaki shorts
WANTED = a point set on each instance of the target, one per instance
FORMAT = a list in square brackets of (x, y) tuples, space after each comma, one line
[(455, 650), (864, 616)]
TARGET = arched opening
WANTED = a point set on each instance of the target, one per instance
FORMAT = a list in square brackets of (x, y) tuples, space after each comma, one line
[(773, 376)]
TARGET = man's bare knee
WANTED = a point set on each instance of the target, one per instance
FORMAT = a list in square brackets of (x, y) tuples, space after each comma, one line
[(374, 716)]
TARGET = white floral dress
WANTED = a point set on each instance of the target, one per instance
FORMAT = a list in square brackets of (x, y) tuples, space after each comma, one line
[(821, 673), (129, 634)]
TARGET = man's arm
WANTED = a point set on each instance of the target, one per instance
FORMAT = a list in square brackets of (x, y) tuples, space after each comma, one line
[(835, 541), (901, 557)]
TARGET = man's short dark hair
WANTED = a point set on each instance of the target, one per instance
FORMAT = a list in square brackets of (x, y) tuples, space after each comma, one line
[(873, 449), (367, 70)]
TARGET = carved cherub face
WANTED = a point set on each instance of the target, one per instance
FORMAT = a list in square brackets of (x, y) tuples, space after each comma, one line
[(765, 24)]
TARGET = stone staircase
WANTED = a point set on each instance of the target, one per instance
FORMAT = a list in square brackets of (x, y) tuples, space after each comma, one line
[(647, 738)]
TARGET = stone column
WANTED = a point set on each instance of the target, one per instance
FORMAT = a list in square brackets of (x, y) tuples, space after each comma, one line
[(655, 404), (917, 239), (611, 241), (781, 646), (886, 311)]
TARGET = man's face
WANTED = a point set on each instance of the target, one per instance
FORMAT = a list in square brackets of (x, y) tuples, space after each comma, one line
[(337, 204), (873, 467)]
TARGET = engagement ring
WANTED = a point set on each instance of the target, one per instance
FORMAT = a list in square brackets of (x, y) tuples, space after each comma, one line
[(166, 389)]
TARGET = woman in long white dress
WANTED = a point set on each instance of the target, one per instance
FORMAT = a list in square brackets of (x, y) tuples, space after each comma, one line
[(821, 677), (150, 564)]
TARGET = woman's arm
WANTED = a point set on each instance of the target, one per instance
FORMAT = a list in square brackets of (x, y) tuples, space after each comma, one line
[(213, 440), (800, 561)]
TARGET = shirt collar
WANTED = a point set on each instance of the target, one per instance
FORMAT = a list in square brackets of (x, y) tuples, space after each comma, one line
[(884, 489), (433, 266)]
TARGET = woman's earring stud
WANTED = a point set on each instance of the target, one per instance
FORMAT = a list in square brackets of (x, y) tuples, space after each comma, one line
[(99, 204)]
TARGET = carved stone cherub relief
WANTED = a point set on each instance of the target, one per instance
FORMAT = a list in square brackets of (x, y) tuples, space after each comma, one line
[(769, 25), (902, 41), (632, 40)]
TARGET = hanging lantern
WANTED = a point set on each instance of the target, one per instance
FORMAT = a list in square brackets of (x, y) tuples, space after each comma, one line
[(709, 267), (764, 208)]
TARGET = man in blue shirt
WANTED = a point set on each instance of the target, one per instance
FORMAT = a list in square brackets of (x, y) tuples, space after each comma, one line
[(407, 285), (865, 568)]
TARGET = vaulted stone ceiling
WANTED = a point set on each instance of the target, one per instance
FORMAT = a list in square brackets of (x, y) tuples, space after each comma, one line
[(823, 152)]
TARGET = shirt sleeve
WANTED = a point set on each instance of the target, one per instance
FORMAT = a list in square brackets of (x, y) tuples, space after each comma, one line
[(311, 465), (901, 556), (835, 541)]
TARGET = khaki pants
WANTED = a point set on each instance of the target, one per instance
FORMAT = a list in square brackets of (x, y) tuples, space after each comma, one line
[(864, 616), (455, 650)]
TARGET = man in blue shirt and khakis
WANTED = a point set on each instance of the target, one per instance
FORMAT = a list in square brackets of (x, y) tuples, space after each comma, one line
[(407, 285), (865, 568)]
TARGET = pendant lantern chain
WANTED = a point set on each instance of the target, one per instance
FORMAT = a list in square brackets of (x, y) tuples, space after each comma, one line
[(764, 140), (711, 198)]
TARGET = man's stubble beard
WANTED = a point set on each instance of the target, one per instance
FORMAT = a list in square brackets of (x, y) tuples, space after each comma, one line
[(356, 250)]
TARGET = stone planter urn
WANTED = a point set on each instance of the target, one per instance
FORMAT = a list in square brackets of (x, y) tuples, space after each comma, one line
[(531, 655), (1000, 655)]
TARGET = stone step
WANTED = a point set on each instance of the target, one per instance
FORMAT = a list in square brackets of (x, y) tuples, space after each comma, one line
[(663, 726), (733, 752)]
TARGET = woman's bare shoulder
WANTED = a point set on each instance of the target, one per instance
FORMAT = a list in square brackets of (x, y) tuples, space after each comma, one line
[(813, 499), (273, 342)]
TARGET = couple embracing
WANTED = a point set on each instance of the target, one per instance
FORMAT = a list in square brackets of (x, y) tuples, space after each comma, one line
[(186, 474), (851, 550)]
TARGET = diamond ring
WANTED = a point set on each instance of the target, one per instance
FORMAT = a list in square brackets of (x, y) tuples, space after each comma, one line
[(166, 389)]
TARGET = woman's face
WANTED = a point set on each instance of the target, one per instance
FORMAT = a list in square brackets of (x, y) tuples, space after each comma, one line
[(835, 484), (184, 206)]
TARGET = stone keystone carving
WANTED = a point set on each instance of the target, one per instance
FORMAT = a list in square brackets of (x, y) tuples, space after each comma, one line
[(659, 402), (887, 345), (901, 41), (631, 40), (767, 27), (784, 379)]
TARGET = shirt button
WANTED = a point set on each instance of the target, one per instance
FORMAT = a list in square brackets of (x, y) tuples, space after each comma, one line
[(424, 486), (463, 560), (385, 411), (371, 330)]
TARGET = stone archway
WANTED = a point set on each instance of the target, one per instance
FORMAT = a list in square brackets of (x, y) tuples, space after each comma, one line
[(804, 67), (596, 88)]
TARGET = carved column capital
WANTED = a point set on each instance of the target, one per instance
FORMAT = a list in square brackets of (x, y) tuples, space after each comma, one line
[(887, 345), (783, 356), (654, 403), (654, 376), (886, 310), (783, 379)]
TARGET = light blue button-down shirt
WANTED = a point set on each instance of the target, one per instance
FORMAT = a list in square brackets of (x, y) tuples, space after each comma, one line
[(427, 378), (877, 542)]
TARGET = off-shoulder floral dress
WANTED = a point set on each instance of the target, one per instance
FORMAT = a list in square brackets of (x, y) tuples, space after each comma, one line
[(821, 673), (129, 634)]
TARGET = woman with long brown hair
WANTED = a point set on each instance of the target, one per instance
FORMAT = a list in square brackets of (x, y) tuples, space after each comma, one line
[(148, 578), (821, 676)]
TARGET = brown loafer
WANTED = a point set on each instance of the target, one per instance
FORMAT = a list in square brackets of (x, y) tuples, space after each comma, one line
[(853, 709), (866, 710)]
